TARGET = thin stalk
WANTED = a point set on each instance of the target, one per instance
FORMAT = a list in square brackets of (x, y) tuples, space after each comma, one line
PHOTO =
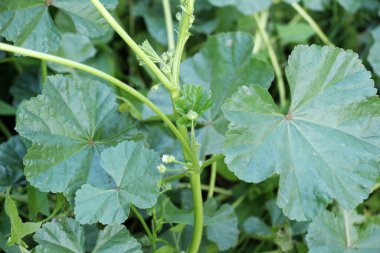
[(212, 180), (43, 71), (105, 76), (142, 221), (186, 21), (174, 177), (258, 40), (212, 160), (169, 23), (133, 45), (347, 228), (312, 23), (207, 188), (5, 130), (273, 58)]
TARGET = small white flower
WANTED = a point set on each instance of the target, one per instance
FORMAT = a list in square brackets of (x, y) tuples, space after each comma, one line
[(168, 159), (191, 115), (161, 168)]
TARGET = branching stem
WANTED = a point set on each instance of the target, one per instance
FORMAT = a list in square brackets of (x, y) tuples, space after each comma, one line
[(105, 76), (133, 45)]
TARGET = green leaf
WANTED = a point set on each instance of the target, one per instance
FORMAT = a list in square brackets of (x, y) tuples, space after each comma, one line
[(246, 7), (11, 167), (18, 229), (70, 124), (221, 224), (254, 226), (38, 202), (330, 233), (79, 51), (351, 6), (64, 236), (67, 236), (194, 99), (373, 55), (6, 110), (223, 227), (294, 33), (27, 85), (116, 238), (134, 171), (28, 23), (316, 5), (223, 64), (326, 147)]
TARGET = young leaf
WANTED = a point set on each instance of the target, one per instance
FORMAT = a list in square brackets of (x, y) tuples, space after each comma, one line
[(326, 147), (223, 64), (28, 23), (67, 236), (246, 7), (134, 171), (18, 229), (69, 125), (11, 167), (330, 233), (193, 98)]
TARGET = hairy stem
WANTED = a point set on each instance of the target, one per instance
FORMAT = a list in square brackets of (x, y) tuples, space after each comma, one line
[(312, 23), (104, 76), (347, 228), (273, 59), (169, 24), (213, 159), (185, 23), (132, 44)]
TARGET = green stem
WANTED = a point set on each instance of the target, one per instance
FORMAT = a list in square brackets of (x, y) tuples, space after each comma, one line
[(184, 34), (273, 58), (207, 188), (212, 160), (43, 71), (258, 40), (174, 177), (105, 76), (212, 180), (312, 23), (169, 24), (5, 130), (142, 221), (195, 181), (132, 44)]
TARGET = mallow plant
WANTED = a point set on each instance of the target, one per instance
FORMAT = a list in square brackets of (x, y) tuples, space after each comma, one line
[(101, 164)]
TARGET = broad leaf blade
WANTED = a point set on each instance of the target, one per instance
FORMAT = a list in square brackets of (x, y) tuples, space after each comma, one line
[(11, 166), (334, 116), (69, 125), (65, 236), (134, 171), (330, 233), (116, 238)]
